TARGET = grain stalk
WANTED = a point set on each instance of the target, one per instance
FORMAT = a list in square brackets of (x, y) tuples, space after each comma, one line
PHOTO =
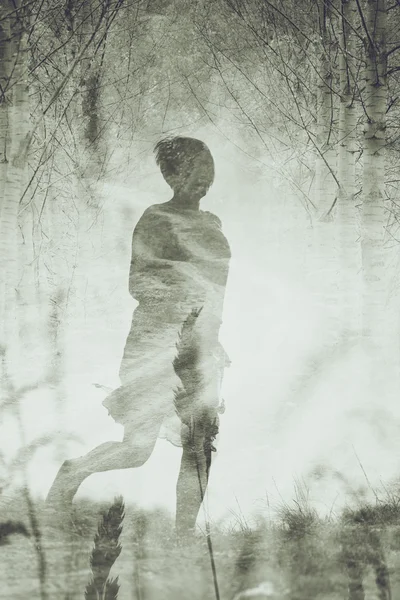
[(105, 552)]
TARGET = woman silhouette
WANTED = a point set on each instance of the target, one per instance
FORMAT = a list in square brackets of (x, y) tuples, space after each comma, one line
[(180, 262)]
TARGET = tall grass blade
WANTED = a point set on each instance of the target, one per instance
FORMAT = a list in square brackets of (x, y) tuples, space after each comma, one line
[(105, 552), (111, 589)]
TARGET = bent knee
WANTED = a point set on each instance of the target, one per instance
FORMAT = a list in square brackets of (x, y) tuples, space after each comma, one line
[(139, 450), (140, 440), (139, 454)]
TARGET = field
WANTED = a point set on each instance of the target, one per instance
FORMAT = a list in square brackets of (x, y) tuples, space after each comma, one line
[(297, 556)]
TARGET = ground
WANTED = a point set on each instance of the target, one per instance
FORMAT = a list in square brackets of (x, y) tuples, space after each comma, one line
[(298, 556)]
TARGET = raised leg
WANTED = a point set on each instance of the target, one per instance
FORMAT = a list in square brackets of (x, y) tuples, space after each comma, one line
[(132, 452)]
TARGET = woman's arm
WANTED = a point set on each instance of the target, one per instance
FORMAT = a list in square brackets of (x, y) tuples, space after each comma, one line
[(177, 259), (157, 258)]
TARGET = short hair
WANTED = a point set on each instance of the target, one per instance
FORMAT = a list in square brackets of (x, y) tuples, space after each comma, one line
[(177, 156)]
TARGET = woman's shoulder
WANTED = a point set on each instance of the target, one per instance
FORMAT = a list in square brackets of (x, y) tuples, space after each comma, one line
[(211, 218), (154, 211), (153, 217)]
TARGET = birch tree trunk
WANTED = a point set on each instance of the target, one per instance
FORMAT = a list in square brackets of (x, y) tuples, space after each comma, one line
[(18, 127), (5, 70), (373, 209), (325, 235), (350, 251), (91, 132), (326, 186)]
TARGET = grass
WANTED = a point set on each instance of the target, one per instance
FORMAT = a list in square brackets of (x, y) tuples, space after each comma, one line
[(106, 550), (298, 554)]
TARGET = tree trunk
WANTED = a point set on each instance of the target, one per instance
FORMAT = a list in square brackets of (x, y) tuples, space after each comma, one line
[(373, 209), (326, 188), (5, 70), (91, 140), (18, 126), (350, 251)]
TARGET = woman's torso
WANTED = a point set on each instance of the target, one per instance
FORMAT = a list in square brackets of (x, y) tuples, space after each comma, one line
[(180, 260)]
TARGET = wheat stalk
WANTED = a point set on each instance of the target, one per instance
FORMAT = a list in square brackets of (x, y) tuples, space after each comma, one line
[(105, 552)]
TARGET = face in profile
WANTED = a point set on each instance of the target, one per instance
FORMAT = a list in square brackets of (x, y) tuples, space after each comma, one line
[(195, 179)]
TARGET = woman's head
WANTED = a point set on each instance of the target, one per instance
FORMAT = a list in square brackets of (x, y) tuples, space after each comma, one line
[(186, 165)]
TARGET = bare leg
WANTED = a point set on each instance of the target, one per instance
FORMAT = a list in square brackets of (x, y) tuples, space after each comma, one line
[(196, 458), (190, 490), (193, 478), (132, 452)]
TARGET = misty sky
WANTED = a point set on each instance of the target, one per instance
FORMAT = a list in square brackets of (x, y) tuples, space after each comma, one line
[(285, 420)]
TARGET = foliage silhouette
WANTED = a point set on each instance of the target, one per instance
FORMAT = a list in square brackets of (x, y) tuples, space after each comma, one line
[(105, 552)]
